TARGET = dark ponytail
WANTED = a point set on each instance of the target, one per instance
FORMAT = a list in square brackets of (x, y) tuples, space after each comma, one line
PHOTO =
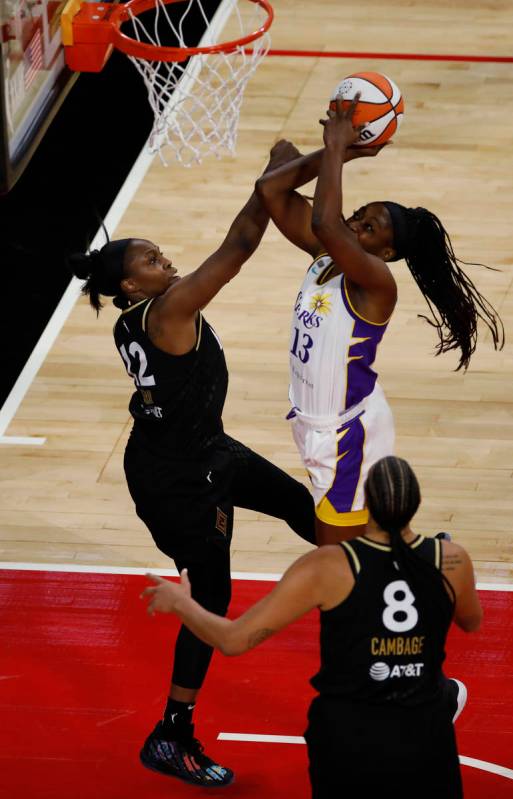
[(102, 270), (392, 496), (453, 299), (86, 267)]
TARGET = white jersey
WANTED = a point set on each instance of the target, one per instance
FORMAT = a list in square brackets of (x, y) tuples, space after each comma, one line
[(332, 348)]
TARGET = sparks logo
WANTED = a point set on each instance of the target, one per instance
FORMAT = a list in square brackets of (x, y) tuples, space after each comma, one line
[(321, 303)]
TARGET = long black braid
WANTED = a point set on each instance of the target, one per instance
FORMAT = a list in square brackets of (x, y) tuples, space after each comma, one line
[(392, 496), (453, 299)]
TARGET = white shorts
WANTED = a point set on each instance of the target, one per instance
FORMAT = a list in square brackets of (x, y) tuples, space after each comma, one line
[(338, 454)]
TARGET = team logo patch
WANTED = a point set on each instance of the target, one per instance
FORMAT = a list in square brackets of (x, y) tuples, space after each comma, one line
[(221, 521), (321, 303)]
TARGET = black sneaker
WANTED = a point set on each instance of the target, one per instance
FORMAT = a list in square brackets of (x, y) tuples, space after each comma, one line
[(182, 758), (444, 536)]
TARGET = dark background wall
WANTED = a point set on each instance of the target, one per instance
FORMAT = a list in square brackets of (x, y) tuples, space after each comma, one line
[(56, 206)]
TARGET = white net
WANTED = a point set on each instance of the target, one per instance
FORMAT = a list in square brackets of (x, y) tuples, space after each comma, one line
[(196, 103)]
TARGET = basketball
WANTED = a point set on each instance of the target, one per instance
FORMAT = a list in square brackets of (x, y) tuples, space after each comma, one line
[(381, 106)]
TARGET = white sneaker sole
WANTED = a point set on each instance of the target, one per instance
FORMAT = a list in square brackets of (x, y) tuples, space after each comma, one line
[(461, 699)]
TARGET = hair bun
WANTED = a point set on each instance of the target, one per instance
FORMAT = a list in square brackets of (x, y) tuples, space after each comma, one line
[(84, 265), (80, 265)]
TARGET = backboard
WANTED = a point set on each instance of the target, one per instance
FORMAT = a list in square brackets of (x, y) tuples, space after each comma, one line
[(34, 79)]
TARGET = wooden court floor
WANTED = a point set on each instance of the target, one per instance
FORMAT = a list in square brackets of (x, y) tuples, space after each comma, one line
[(66, 501)]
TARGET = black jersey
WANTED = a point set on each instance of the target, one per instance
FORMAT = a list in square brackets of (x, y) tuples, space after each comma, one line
[(385, 642), (179, 399)]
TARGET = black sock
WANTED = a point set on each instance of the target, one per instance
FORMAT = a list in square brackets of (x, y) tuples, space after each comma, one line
[(178, 713)]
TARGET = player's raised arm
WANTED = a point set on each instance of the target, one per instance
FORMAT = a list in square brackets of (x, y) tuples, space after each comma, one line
[(364, 268), (173, 313), (289, 210), (196, 290)]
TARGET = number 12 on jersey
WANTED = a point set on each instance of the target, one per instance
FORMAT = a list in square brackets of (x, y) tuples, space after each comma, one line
[(136, 351)]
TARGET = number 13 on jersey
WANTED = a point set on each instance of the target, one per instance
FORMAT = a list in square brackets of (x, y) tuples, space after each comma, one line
[(301, 345)]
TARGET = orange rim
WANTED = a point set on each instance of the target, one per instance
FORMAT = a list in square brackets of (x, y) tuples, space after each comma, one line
[(152, 52)]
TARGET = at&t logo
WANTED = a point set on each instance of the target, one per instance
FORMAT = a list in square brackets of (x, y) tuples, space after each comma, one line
[(381, 671)]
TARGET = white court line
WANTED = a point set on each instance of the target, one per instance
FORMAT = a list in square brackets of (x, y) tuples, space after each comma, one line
[(502, 771), (86, 568), (70, 296), (23, 441), (494, 586), (266, 739), (483, 765)]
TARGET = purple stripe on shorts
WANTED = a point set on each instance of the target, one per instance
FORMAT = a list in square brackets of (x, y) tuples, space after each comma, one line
[(347, 473)]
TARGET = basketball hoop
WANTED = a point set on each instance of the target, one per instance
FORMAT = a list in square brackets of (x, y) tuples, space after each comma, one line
[(196, 105)]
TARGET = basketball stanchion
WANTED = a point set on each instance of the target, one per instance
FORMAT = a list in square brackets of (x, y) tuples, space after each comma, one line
[(195, 92)]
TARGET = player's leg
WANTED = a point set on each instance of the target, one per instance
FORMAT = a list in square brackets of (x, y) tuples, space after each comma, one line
[(191, 521), (261, 486), (172, 748), (341, 462), (332, 534)]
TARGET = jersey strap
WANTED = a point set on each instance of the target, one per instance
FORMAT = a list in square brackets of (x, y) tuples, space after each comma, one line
[(352, 557)]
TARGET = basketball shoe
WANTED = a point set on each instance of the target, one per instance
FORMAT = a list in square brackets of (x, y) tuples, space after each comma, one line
[(177, 753)]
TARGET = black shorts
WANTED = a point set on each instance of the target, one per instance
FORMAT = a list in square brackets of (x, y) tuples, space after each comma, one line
[(188, 504), (358, 750)]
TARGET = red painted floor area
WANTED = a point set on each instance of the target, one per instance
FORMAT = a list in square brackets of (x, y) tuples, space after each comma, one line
[(83, 679)]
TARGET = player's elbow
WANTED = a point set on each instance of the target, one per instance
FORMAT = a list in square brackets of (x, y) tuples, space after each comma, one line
[(260, 187), (230, 646), (324, 225), (264, 191), (237, 248), (247, 243), (470, 624)]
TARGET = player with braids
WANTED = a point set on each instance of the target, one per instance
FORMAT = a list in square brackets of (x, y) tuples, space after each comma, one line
[(385, 710), (392, 495), (455, 303), (341, 421), (185, 475)]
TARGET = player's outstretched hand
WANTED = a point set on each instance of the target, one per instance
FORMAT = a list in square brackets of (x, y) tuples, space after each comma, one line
[(164, 595), (339, 130), (282, 153)]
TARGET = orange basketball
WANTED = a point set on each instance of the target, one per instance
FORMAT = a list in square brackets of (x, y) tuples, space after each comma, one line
[(381, 105)]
